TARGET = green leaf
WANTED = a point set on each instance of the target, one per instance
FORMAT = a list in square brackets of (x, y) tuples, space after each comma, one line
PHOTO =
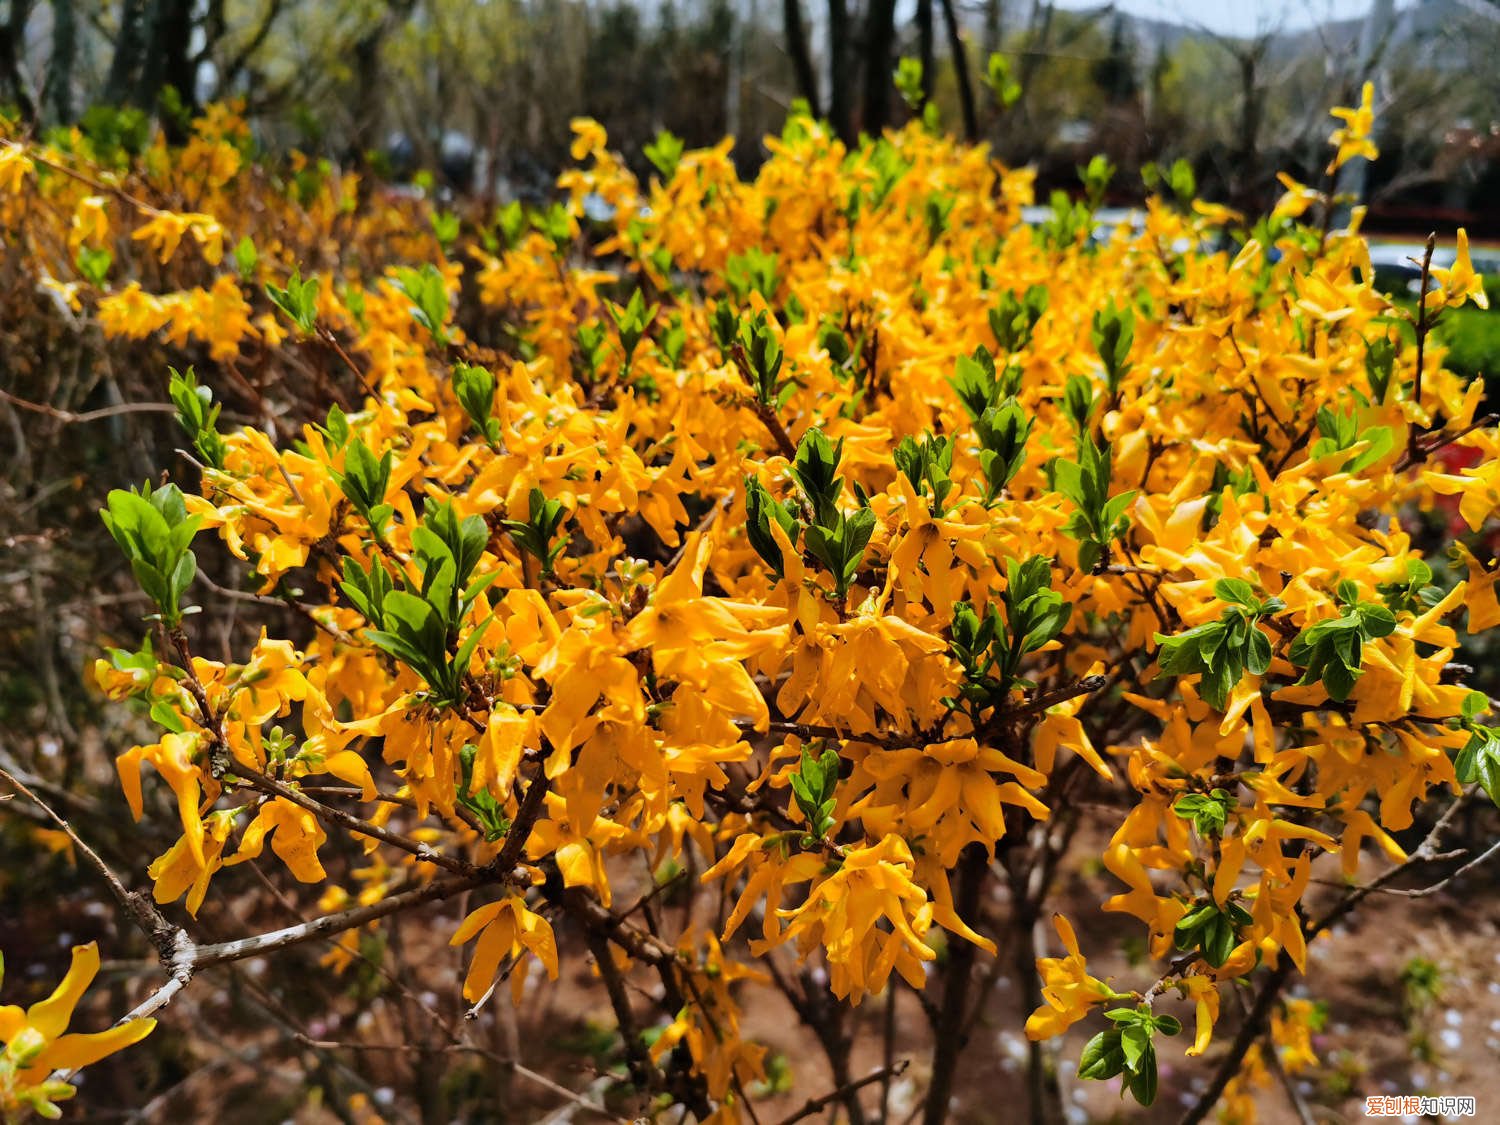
[(428, 293), (1237, 591), (665, 153), (93, 264), (1142, 1081), (1479, 761), (1168, 1025), (299, 301), (1103, 1057), (815, 468)]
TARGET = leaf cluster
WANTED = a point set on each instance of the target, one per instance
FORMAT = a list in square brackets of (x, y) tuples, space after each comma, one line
[(364, 482), (1333, 650), (1014, 319), (1212, 930), (665, 153), (535, 533), (419, 623), (1003, 432), (754, 271), (980, 386), (1209, 811), (299, 301), (1342, 431), (197, 414), (814, 786), (928, 464), (991, 647), (1098, 519), (836, 540), (1479, 760), (474, 387), (154, 530), (428, 295), (1222, 651), (631, 321), (758, 342), (1113, 334), (1128, 1049)]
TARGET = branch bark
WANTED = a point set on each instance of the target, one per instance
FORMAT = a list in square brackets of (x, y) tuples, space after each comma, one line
[(800, 54), (961, 73), (973, 869)]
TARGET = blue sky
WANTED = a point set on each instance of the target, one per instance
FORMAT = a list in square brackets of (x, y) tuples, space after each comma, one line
[(1236, 17)]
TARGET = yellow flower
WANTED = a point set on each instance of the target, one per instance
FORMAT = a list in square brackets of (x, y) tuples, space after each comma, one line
[(1459, 282), (34, 1042), (506, 929), (589, 138), (295, 834), (15, 165), (164, 231), (1291, 1031), (1298, 198), (90, 222), (1353, 138), (842, 911), (1067, 988), (1204, 992)]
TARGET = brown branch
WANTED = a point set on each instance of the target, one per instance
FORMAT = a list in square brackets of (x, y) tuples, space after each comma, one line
[(882, 1074), (1423, 326), (1441, 440), (353, 823), (223, 952), (70, 417), (464, 1048), (1044, 700), (948, 1035), (520, 829), (138, 907)]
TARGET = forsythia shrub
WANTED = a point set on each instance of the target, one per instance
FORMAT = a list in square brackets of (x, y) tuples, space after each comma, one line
[(825, 540)]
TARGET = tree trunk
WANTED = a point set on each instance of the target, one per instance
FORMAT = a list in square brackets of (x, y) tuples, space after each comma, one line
[(992, 28), (961, 72), (58, 94), (1250, 107), (801, 55), (880, 37), (840, 51), (167, 59), (973, 868), (12, 41), (926, 50), (130, 46)]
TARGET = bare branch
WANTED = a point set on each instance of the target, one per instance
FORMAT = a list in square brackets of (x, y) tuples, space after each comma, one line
[(815, 1105)]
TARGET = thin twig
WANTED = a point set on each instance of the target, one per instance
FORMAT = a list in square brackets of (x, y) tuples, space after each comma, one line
[(882, 1074), (260, 781), (71, 417), (137, 907), (465, 1048), (1422, 329)]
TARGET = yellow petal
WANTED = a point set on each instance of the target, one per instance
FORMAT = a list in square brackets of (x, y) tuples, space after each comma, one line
[(51, 1016), (72, 1051)]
